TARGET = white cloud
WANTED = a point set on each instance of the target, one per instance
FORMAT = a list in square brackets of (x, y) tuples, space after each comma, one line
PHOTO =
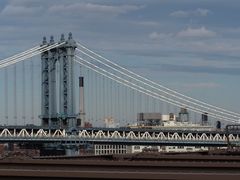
[(190, 13), (94, 8), (196, 32), (156, 35), (146, 23), (180, 14), (201, 32), (12, 10), (202, 12)]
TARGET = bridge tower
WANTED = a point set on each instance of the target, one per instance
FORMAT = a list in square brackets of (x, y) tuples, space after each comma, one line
[(58, 111)]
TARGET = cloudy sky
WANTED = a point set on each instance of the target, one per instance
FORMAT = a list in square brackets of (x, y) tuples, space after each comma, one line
[(187, 45)]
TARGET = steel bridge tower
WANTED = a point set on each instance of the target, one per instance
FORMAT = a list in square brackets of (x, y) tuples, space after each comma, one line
[(58, 99)]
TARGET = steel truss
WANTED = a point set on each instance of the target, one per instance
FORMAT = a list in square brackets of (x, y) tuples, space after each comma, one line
[(114, 136)]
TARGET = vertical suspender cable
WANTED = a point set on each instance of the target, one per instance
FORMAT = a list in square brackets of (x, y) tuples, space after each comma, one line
[(148, 104), (134, 106), (117, 116), (99, 95), (113, 101), (6, 94), (96, 96), (161, 107), (101, 98), (116, 103), (104, 99), (50, 87), (122, 100), (38, 91), (24, 94), (150, 109), (32, 91), (110, 103), (153, 104), (88, 100), (140, 103), (131, 105), (126, 104), (15, 93), (92, 98), (107, 100)]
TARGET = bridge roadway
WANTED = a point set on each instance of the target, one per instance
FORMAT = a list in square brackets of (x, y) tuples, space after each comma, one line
[(181, 167), (35, 134)]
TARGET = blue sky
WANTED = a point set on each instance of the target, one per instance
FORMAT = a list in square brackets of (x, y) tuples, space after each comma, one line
[(191, 46)]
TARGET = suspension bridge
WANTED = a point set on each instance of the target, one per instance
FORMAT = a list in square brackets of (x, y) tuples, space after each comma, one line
[(42, 102)]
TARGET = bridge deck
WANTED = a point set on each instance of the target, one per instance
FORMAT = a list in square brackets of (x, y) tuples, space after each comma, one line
[(121, 136)]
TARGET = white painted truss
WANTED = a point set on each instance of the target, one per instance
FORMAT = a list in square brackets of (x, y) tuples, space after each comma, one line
[(117, 136)]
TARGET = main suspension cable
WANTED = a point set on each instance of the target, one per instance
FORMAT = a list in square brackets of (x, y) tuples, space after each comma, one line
[(152, 82)]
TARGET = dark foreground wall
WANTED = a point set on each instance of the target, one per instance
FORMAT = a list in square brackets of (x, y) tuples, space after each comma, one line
[(165, 167)]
